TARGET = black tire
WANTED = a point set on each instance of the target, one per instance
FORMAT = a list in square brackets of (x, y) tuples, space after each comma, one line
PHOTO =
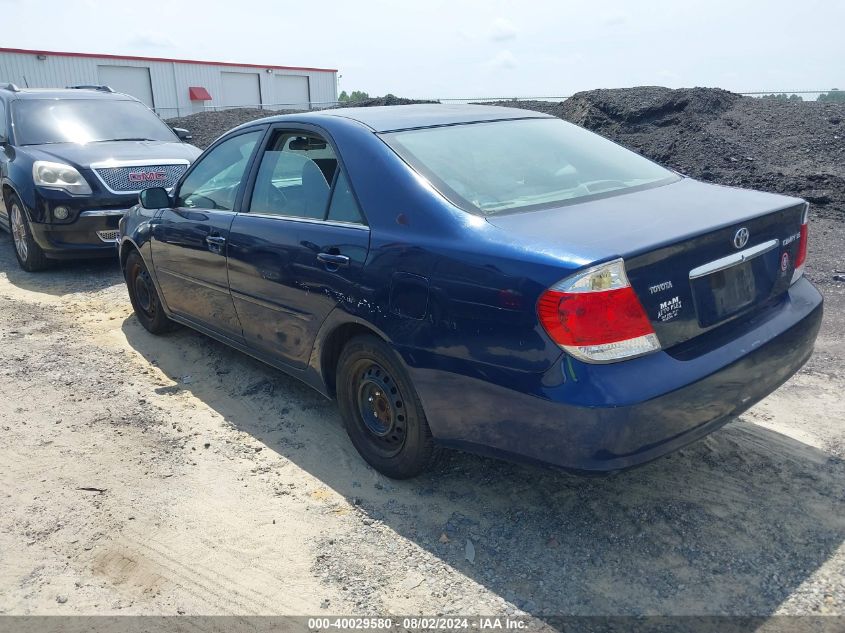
[(30, 256), (144, 296), (382, 412)]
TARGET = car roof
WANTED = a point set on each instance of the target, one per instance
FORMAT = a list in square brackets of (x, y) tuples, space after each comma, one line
[(65, 93), (404, 117)]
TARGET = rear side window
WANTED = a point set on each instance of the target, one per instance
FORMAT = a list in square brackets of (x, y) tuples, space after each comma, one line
[(3, 129), (344, 207), (299, 177)]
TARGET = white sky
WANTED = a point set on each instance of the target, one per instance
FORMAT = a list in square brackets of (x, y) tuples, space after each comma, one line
[(470, 48)]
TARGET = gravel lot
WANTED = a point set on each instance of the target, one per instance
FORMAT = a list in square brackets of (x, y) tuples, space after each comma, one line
[(174, 475)]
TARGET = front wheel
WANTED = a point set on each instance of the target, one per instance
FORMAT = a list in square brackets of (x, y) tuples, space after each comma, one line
[(30, 256), (144, 296), (382, 412)]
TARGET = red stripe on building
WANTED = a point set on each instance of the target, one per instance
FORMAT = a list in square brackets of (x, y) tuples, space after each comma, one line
[(161, 59)]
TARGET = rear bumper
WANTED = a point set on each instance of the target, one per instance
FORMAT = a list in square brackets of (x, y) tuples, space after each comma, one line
[(608, 417), (93, 234)]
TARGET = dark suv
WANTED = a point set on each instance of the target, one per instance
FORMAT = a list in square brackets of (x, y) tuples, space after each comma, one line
[(72, 161)]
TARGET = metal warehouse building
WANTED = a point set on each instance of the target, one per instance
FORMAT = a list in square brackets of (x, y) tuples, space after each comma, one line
[(174, 87)]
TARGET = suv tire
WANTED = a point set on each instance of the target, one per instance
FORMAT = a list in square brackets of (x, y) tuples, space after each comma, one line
[(29, 255)]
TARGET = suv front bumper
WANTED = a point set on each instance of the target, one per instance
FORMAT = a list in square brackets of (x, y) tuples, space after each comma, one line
[(93, 234)]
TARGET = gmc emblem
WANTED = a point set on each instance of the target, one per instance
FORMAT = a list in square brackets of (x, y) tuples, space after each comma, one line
[(146, 176)]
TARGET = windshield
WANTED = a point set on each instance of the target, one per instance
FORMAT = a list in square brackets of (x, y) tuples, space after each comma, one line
[(526, 164), (39, 121)]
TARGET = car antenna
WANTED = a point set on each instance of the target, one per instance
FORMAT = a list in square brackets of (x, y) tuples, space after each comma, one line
[(25, 82)]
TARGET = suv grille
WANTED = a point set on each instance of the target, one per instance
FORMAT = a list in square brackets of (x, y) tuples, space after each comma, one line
[(135, 178)]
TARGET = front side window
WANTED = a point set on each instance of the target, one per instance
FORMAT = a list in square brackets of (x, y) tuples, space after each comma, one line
[(213, 183), (496, 167), (47, 121), (3, 132), (296, 177)]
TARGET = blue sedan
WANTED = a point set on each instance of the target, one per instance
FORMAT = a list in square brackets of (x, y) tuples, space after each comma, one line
[(482, 278)]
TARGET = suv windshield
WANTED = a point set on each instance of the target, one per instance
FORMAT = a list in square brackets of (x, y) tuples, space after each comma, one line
[(40, 121), (502, 166)]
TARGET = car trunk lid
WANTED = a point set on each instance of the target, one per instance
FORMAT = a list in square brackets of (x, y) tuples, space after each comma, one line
[(697, 255)]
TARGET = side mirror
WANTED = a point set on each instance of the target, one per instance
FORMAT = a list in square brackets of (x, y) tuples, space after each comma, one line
[(183, 134), (154, 198)]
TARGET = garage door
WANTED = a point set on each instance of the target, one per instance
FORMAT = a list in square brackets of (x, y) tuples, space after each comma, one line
[(132, 80), (292, 91), (240, 89)]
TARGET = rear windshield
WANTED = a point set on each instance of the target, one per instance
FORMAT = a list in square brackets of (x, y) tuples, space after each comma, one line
[(503, 166), (39, 121)]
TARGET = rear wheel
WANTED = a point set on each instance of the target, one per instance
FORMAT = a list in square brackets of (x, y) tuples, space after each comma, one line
[(30, 256), (383, 415), (144, 296)]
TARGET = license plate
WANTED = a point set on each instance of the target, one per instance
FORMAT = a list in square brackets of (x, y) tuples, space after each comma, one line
[(724, 293), (732, 288)]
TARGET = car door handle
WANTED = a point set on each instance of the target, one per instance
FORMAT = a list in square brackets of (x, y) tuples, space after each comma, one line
[(215, 243), (332, 259)]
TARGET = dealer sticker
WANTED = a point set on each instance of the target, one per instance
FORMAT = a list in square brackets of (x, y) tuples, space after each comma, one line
[(669, 309)]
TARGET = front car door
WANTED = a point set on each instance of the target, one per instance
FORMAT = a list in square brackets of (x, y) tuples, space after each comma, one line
[(5, 156), (189, 241), (298, 248)]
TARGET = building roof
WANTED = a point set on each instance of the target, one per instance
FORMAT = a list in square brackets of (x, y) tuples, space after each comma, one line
[(67, 93), (402, 117), (27, 51)]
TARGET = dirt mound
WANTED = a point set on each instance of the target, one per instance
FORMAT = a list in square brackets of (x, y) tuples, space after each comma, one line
[(646, 107), (207, 126), (387, 100), (792, 147)]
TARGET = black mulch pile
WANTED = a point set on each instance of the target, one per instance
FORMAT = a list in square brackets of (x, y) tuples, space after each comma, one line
[(796, 148)]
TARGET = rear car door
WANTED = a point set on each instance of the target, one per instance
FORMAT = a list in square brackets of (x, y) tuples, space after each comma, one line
[(298, 248), (189, 241)]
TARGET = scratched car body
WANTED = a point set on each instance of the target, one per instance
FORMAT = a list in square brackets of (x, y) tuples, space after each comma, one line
[(483, 278)]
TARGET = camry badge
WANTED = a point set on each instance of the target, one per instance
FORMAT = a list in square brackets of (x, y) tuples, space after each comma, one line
[(741, 237)]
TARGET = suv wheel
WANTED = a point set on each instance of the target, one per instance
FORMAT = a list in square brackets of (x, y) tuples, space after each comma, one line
[(30, 256), (383, 414), (144, 296)]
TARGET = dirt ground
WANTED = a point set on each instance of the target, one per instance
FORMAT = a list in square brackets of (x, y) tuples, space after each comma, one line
[(144, 475)]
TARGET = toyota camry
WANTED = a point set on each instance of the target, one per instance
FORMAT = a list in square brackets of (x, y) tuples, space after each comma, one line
[(482, 278)]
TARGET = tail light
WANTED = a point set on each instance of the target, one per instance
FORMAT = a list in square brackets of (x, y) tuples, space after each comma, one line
[(801, 256), (596, 316)]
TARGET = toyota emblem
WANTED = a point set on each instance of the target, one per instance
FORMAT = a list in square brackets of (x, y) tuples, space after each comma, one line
[(741, 237)]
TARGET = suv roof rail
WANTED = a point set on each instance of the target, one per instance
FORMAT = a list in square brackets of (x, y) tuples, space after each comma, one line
[(8, 85), (91, 87)]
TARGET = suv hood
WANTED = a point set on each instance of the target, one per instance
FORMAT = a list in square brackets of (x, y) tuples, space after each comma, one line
[(82, 156)]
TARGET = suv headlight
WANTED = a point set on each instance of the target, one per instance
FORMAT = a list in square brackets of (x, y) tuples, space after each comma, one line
[(59, 176)]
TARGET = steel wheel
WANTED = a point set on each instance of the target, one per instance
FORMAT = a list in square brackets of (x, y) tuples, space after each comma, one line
[(144, 290), (381, 408), (19, 232), (144, 296)]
